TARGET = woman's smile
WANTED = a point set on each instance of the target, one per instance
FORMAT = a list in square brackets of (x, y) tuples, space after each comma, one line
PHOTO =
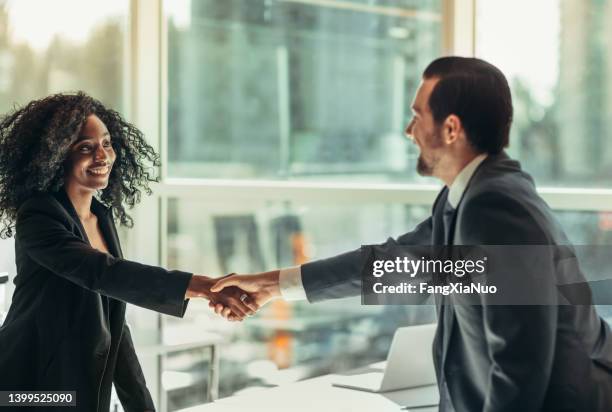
[(99, 171)]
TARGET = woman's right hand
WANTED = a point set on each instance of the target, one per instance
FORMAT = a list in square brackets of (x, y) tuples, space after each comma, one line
[(237, 303), (261, 288)]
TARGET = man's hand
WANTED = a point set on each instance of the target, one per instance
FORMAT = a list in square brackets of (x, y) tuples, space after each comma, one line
[(261, 287), (238, 303)]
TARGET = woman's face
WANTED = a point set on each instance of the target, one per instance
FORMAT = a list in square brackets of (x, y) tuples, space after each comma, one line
[(91, 157)]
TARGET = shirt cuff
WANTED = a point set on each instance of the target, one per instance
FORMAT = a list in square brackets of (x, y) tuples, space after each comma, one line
[(290, 283)]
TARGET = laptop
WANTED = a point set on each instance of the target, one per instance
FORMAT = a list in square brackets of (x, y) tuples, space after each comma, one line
[(409, 363)]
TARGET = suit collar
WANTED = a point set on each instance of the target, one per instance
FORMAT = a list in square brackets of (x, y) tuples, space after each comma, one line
[(104, 216), (476, 169), (496, 160), (457, 188), (438, 218)]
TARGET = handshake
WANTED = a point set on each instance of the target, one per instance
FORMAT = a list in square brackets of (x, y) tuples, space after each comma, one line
[(236, 296)]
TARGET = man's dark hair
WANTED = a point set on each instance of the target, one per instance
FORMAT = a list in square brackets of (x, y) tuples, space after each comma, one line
[(478, 93)]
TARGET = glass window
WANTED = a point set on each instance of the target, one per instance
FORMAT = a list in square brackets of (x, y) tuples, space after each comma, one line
[(587, 228), (594, 229), (287, 341), (56, 46), (559, 65), (63, 45), (43, 51), (267, 89)]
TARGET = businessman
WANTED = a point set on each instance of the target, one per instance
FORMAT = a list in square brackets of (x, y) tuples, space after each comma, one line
[(488, 357)]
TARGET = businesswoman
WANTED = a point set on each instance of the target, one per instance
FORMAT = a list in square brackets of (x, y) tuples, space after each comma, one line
[(68, 168)]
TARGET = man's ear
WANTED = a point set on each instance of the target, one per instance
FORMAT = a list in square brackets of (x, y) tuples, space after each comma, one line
[(451, 128)]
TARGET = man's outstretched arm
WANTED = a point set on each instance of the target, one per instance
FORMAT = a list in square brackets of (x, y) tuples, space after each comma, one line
[(332, 278)]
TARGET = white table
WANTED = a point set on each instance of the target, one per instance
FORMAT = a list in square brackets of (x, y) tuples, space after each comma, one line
[(318, 394)]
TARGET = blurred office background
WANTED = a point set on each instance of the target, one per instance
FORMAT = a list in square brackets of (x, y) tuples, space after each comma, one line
[(280, 125)]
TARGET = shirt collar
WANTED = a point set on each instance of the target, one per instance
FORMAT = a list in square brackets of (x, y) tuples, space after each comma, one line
[(458, 186)]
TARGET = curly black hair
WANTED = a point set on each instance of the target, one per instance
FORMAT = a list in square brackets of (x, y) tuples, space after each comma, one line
[(34, 144)]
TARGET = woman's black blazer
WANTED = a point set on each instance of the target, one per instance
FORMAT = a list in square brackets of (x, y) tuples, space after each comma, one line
[(65, 329)]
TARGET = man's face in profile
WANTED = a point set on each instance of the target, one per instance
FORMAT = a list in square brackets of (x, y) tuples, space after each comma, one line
[(423, 131)]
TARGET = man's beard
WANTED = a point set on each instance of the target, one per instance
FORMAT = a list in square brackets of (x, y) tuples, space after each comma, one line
[(425, 168)]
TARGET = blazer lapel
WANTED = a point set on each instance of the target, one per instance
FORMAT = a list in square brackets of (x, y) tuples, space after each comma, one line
[(107, 227), (446, 312), (438, 237), (104, 220), (438, 219), (64, 200)]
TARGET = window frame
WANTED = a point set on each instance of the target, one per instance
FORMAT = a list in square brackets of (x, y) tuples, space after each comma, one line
[(148, 105)]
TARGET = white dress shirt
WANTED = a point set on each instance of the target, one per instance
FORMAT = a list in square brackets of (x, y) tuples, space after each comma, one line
[(290, 279)]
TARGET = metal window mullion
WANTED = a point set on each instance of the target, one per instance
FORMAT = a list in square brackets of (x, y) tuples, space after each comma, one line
[(566, 199), (459, 27), (299, 192), (145, 96), (163, 98)]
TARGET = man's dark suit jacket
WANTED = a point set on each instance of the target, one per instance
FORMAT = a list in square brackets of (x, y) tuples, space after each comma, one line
[(65, 329), (499, 358)]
